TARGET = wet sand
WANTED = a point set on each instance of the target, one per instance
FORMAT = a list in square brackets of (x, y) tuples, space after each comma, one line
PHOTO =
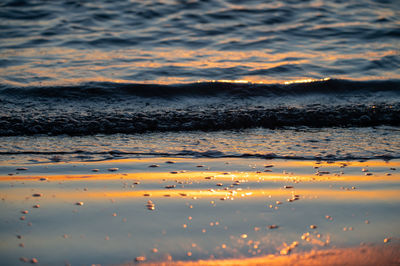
[(364, 255), (200, 212)]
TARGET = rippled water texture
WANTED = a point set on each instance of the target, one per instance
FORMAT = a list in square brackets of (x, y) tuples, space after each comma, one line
[(166, 41), (306, 144)]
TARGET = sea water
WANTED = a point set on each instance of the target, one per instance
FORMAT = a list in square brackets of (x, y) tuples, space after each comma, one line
[(79, 68), (213, 81)]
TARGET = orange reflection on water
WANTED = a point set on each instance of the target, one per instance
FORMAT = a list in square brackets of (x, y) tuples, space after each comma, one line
[(53, 195), (81, 66), (215, 176)]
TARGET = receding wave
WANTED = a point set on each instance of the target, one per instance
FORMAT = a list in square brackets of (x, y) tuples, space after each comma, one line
[(206, 89), (352, 143)]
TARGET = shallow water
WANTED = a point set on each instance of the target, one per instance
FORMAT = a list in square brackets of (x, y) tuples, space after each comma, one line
[(293, 143), (193, 222)]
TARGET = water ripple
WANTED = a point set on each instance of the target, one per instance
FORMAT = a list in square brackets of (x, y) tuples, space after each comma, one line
[(320, 32)]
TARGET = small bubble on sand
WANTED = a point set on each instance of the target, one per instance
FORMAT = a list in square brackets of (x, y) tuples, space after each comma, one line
[(22, 218), (37, 195), (107, 238), (140, 258), (154, 165), (65, 236), (170, 162), (274, 226), (200, 166), (154, 250), (387, 240), (278, 202), (113, 169), (42, 179), (80, 203), (146, 194), (21, 245), (173, 172), (244, 236), (219, 184), (24, 212), (114, 214), (328, 217), (366, 222), (37, 206), (287, 186), (313, 226), (95, 170), (189, 253), (364, 170)]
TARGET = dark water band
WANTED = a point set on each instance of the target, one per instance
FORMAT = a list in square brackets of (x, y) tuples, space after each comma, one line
[(206, 89)]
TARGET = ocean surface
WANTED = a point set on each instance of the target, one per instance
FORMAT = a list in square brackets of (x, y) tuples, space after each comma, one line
[(286, 79)]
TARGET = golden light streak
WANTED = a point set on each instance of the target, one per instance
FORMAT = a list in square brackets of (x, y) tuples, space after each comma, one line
[(358, 255), (52, 195), (305, 81), (201, 176)]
